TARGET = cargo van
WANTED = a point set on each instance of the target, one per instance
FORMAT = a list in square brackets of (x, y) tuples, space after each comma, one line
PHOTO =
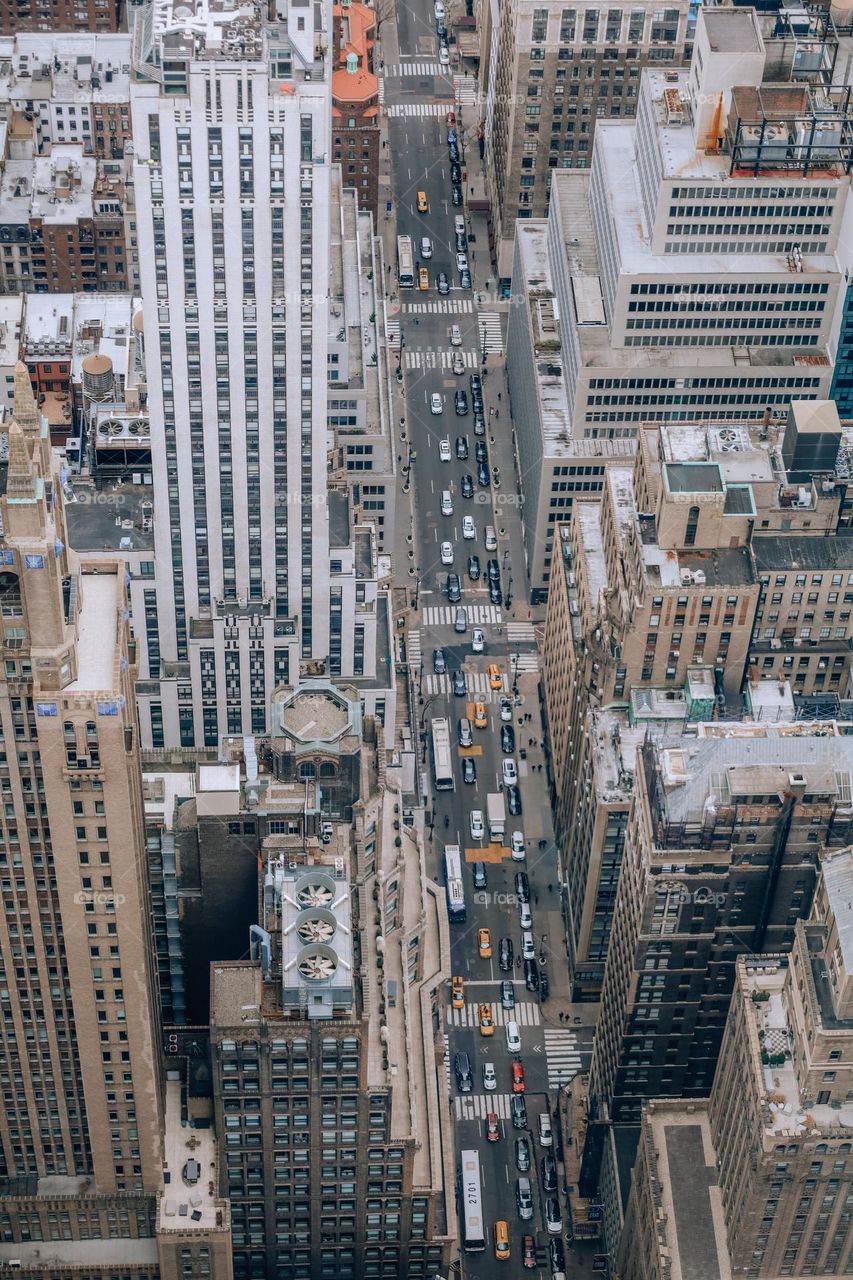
[(466, 737), (446, 503)]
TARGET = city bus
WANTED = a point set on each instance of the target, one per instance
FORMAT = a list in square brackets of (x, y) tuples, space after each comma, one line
[(442, 758), (453, 883), (471, 1192), (405, 262)]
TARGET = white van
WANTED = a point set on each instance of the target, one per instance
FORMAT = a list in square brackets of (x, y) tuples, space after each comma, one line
[(446, 503), (491, 538), (426, 247), (513, 1037), (459, 224)]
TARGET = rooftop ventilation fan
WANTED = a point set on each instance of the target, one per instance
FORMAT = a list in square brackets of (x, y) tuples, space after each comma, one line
[(316, 893), (317, 964), (728, 440), (316, 928)]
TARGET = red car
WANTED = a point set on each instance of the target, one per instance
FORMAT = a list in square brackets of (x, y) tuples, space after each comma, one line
[(493, 1132), (517, 1077), (450, 119), (528, 1253)]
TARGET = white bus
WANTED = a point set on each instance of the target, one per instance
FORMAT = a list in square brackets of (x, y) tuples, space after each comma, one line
[(442, 758), (405, 262), (453, 883), (473, 1234)]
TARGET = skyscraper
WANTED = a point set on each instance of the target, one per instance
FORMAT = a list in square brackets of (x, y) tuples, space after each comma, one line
[(231, 118)]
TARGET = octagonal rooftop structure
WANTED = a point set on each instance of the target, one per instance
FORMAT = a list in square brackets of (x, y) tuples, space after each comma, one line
[(317, 714)]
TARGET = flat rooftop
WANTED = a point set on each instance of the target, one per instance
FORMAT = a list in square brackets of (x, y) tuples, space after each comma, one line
[(109, 519), (554, 410), (693, 477), (187, 1205), (799, 551), (97, 634), (722, 566), (732, 31), (838, 881), (73, 59), (588, 517)]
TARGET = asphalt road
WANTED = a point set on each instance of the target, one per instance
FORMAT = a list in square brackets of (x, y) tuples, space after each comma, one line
[(550, 1051)]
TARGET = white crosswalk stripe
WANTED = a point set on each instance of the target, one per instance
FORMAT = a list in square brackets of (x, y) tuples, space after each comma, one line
[(392, 333), (521, 633), (445, 306), (465, 88), (476, 1106), (413, 648), (437, 359), (525, 1013), (381, 91), (476, 683), (447, 1063), (526, 662), (479, 615), (562, 1055), (491, 334), (418, 109), (416, 69)]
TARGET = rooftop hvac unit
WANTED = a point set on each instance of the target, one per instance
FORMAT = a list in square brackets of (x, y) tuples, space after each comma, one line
[(772, 144), (699, 577), (824, 144), (686, 577)]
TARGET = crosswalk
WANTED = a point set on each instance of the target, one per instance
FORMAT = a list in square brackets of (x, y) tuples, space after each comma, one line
[(525, 1013), (413, 648), (525, 662), (422, 110), (392, 333), (521, 633), (562, 1055), (444, 306), (465, 89), (422, 69), (479, 615), (491, 334), (476, 1106), (476, 682), (438, 359)]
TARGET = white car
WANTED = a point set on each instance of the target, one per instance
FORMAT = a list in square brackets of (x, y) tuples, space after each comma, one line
[(525, 919), (528, 950), (461, 262), (444, 454), (455, 336), (426, 247), (478, 640), (458, 363), (510, 773), (459, 224), (516, 846), (436, 406), (490, 1080), (546, 1132), (506, 711), (443, 55), (513, 1039), (468, 530), (438, 10), (478, 829), (447, 553)]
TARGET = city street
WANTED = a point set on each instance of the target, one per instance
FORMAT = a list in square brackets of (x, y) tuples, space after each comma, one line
[(418, 95)]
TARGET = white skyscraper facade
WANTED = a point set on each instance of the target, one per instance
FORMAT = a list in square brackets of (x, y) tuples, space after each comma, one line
[(230, 115)]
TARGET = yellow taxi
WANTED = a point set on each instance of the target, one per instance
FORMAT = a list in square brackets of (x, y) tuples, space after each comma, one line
[(496, 681), (423, 278), (487, 1022), (480, 718), (457, 992), (501, 1241), (423, 203), (484, 943)]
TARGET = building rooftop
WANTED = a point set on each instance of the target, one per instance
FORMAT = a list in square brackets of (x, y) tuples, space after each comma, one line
[(101, 598), (43, 1256), (64, 67), (837, 872), (615, 744), (693, 477), (187, 1205), (799, 551), (11, 314), (117, 518), (103, 323), (734, 31), (554, 408), (588, 517)]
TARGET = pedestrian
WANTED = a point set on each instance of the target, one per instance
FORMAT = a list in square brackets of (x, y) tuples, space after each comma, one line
[(499, 395), (550, 888)]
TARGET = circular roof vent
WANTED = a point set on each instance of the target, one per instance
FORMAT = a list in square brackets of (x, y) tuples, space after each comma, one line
[(316, 925), (316, 889), (317, 963)]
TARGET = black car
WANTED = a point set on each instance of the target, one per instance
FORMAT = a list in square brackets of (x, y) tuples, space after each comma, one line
[(479, 869), (476, 383), (461, 242), (556, 1254), (460, 401), (477, 403), (439, 662), (483, 477), (522, 886), (522, 1155), (548, 1166), (513, 801), (456, 197), (481, 452), (495, 593), (506, 956), (518, 1110), (462, 1070), (553, 1217), (531, 975), (459, 684), (493, 570), (453, 152), (544, 987), (462, 448), (441, 32), (455, 173), (454, 588), (507, 739), (442, 282), (465, 278), (479, 424), (474, 568), (467, 486), (507, 995), (469, 770), (452, 138)]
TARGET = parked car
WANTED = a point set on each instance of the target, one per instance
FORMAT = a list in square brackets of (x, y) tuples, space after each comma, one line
[(467, 485), (507, 739), (548, 1165), (518, 1111), (513, 801), (531, 975), (460, 403), (439, 662), (506, 954), (474, 568), (522, 1154)]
